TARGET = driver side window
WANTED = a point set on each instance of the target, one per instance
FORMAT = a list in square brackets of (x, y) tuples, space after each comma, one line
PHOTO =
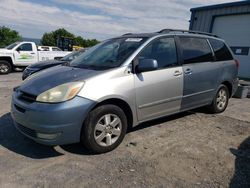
[(25, 47), (163, 50)]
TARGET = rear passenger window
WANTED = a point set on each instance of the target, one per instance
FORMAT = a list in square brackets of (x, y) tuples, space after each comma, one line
[(195, 50), (163, 50), (221, 51)]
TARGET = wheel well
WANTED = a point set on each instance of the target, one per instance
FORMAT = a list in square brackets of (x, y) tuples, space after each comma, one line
[(123, 105), (229, 86), (7, 59)]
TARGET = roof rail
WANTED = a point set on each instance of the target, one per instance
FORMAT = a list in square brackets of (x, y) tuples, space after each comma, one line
[(186, 31)]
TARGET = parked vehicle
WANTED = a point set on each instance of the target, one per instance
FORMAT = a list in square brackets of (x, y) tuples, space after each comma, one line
[(36, 67), (23, 54), (123, 82), (48, 48)]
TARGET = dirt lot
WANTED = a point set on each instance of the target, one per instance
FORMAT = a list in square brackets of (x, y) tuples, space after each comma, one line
[(192, 149)]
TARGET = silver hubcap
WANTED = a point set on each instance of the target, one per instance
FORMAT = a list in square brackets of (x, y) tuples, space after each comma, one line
[(221, 100), (3, 68), (108, 130)]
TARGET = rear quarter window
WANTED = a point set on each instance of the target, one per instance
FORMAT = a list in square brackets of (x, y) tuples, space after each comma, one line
[(221, 51), (195, 50)]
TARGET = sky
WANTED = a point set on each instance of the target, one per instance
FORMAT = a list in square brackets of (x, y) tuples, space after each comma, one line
[(100, 19)]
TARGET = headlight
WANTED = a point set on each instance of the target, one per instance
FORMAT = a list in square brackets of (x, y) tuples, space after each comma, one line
[(60, 93)]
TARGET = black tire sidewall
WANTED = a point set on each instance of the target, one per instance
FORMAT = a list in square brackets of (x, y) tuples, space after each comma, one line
[(215, 107), (8, 64), (87, 135)]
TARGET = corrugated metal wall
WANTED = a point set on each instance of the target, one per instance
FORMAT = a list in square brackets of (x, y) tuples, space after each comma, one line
[(201, 20)]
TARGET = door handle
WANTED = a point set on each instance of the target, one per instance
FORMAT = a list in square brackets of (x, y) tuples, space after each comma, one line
[(188, 71), (177, 73), (32, 53)]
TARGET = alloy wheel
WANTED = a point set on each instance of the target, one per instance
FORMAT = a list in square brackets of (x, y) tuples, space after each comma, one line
[(107, 130), (221, 99)]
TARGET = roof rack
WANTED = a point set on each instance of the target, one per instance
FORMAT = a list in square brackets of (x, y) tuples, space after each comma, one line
[(186, 31)]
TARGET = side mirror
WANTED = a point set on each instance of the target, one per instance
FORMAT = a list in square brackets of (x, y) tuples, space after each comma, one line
[(147, 65)]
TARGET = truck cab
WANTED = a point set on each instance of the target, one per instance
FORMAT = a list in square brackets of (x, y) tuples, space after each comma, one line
[(23, 54)]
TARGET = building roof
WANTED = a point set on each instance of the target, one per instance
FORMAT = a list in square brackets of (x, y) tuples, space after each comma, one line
[(238, 3)]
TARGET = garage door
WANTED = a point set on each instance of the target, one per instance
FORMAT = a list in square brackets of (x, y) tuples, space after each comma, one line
[(235, 30)]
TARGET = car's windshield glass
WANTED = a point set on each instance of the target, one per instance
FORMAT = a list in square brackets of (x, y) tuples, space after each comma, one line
[(11, 46), (108, 54), (71, 56)]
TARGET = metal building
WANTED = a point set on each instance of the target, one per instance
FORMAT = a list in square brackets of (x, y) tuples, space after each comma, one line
[(230, 21)]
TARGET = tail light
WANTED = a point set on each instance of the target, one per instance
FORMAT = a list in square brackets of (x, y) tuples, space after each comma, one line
[(237, 63)]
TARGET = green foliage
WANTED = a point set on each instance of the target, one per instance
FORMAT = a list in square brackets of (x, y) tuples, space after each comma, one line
[(91, 42), (62, 33), (50, 39), (8, 36), (79, 41)]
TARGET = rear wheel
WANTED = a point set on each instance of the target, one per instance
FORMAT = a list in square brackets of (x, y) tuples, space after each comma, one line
[(104, 128), (220, 100), (5, 67)]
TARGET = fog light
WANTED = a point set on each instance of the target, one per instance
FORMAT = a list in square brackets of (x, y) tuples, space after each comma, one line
[(47, 136)]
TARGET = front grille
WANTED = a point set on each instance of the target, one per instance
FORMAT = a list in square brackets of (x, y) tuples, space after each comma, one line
[(27, 97), (27, 130)]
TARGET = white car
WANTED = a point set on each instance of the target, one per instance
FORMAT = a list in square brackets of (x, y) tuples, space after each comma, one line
[(23, 54)]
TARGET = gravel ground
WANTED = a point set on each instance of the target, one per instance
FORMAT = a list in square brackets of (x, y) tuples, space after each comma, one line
[(191, 149)]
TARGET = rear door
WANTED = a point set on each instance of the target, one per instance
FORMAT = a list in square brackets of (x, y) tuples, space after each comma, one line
[(159, 92), (200, 71)]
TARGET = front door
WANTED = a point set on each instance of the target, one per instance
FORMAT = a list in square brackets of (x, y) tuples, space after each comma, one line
[(159, 92), (25, 54)]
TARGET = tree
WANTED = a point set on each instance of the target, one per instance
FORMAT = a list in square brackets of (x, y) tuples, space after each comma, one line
[(50, 39), (79, 41), (91, 42), (8, 36)]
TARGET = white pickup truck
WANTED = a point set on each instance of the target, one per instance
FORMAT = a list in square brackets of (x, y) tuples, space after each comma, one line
[(22, 54)]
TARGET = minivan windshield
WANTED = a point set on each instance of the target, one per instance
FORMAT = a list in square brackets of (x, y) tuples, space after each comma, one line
[(11, 46), (72, 55), (108, 54)]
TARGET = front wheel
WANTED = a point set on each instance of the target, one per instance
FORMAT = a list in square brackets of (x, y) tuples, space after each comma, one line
[(104, 128), (220, 100), (5, 67)]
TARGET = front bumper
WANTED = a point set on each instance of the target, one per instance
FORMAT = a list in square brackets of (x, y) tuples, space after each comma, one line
[(51, 124)]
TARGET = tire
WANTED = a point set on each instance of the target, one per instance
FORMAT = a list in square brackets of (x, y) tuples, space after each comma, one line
[(104, 128), (220, 100), (5, 67)]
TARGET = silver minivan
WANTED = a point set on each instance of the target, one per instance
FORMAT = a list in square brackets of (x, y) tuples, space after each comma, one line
[(123, 82)]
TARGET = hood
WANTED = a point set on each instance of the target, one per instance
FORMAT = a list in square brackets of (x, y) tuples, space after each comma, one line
[(52, 77), (5, 51), (45, 64)]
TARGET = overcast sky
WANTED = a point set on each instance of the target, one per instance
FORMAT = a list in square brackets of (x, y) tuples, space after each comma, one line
[(99, 19)]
